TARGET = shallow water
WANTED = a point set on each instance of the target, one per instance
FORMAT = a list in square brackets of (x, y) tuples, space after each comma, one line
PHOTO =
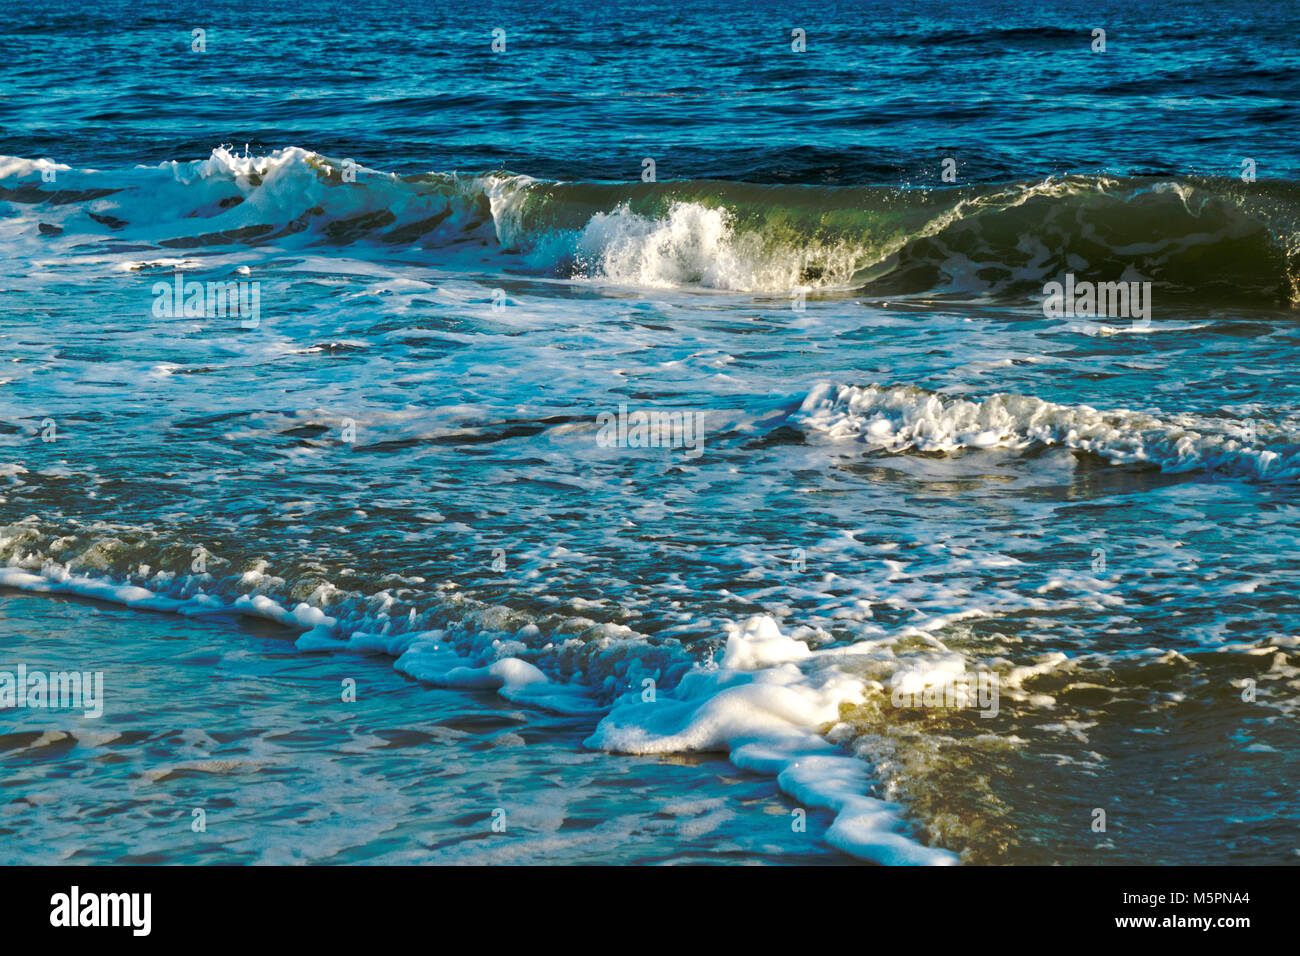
[(257, 736), (906, 470)]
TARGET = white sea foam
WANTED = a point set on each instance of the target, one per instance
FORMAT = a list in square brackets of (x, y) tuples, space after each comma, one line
[(900, 418), (691, 245), (765, 711), (767, 704)]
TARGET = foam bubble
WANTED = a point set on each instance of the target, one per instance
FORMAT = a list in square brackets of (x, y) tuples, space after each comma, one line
[(901, 418), (766, 712)]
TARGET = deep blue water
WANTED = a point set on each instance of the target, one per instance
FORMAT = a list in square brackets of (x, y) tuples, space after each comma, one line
[(882, 93)]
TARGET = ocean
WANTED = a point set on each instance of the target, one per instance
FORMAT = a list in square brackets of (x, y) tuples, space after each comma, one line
[(650, 433)]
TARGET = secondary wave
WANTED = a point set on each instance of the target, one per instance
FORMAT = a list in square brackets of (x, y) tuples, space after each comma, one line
[(908, 418)]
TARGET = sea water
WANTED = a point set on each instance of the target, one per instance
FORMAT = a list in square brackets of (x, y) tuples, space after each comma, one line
[(434, 480)]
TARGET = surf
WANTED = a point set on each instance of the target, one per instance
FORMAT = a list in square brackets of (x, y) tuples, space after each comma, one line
[(1216, 240)]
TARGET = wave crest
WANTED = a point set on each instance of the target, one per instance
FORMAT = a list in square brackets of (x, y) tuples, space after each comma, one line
[(1216, 239), (903, 418)]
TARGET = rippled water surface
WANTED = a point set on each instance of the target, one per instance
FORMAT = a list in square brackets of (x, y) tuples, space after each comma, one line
[(396, 460)]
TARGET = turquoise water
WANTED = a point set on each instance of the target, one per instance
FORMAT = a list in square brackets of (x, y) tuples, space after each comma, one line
[(234, 722), (390, 458)]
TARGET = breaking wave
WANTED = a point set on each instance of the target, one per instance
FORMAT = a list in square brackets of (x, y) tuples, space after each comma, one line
[(1212, 238), (908, 418)]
